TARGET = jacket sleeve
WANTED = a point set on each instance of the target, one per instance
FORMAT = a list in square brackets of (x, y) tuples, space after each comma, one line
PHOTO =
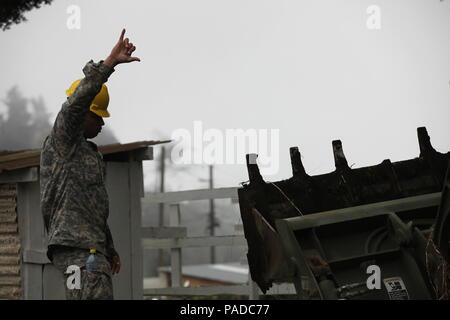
[(69, 123)]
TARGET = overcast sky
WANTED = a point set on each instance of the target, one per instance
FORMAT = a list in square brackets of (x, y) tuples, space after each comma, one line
[(312, 69)]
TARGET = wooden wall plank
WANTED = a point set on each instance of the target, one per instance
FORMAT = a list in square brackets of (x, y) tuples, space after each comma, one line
[(117, 184), (136, 186), (190, 195)]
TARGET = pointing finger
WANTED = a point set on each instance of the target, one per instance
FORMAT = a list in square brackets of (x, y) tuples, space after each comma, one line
[(134, 59), (122, 34)]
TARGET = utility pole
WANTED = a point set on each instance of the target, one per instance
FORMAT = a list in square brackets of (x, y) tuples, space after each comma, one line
[(162, 168), (212, 214)]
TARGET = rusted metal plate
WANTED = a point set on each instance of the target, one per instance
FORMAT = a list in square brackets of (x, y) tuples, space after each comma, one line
[(9, 270), (345, 187), (6, 202), (9, 280), (9, 259), (31, 158), (10, 262), (12, 292), (9, 209), (115, 148), (8, 228), (8, 217), (8, 249), (9, 240), (7, 191)]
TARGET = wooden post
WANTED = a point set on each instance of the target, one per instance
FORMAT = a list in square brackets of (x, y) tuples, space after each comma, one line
[(161, 205), (253, 287), (254, 290), (175, 253), (212, 215)]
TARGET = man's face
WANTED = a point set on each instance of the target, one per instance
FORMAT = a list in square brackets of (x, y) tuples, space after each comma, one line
[(92, 125)]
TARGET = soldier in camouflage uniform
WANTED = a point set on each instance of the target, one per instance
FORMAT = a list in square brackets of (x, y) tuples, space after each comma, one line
[(74, 200)]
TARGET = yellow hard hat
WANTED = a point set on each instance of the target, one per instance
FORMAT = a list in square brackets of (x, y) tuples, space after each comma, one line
[(99, 105)]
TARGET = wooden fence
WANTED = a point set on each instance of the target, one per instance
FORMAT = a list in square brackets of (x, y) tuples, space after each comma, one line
[(174, 237)]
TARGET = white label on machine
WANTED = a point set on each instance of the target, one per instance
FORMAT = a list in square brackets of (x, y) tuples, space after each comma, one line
[(396, 288)]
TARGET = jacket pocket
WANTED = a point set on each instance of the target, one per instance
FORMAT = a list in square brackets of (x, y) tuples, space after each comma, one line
[(92, 171)]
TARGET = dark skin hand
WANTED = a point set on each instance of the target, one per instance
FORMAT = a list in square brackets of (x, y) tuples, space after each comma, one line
[(115, 264), (121, 53)]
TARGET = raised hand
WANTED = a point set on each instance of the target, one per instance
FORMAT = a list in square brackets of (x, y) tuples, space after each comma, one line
[(121, 53)]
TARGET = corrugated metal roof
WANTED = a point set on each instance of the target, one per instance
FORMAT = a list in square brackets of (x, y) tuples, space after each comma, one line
[(10, 282), (11, 160)]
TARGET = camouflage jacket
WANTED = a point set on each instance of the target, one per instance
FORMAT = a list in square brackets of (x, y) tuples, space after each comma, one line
[(74, 201)]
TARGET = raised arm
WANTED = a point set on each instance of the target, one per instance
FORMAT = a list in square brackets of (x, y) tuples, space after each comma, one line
[(69, 124)]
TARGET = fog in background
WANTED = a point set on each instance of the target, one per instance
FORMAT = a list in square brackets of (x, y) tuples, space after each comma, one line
[(312, 69), (25, 122)]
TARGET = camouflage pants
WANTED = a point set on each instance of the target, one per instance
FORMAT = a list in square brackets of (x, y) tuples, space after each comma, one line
[(93, 284)]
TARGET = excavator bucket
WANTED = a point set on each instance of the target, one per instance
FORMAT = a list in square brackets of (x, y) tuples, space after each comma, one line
[(326, 233)]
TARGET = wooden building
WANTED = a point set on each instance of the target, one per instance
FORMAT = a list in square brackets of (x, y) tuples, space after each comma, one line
[(25, 271)]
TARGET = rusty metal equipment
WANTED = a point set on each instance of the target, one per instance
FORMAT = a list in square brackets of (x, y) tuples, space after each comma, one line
[(323, 233)]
